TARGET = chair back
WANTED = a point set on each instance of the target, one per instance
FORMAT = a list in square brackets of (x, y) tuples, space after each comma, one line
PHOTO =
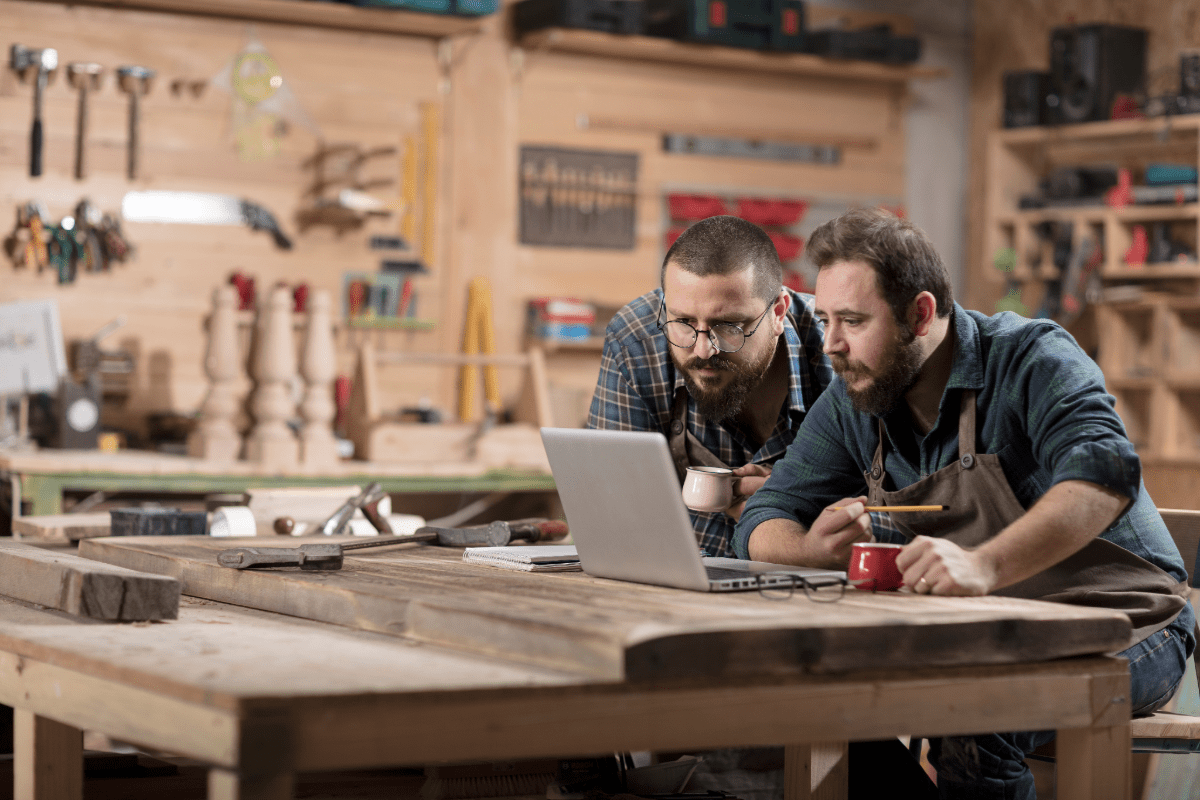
[(1184, 526)]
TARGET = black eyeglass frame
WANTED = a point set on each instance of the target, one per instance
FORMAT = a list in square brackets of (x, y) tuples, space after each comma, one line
[(825, 591), (712, 338)]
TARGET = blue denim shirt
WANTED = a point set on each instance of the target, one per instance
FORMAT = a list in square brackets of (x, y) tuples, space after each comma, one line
[(1041, 408)]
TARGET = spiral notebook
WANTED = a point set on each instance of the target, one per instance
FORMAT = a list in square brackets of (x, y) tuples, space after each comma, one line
[(530, 558)]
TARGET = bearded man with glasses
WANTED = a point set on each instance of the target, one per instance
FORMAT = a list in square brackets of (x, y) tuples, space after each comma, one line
[(723, 360)]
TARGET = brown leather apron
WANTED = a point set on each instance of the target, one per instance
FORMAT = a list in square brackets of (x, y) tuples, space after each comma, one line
[(981, 503), (686, 449)]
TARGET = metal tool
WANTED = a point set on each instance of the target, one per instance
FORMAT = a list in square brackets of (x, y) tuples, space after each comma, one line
[(84, 76), (370, 496), (45, 62), (328, 557), (499, 533), (201, 208), (135, 82)]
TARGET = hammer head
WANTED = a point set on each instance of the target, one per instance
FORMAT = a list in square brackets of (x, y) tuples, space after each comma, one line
[(135, 80), (25, 59), (85, 74)]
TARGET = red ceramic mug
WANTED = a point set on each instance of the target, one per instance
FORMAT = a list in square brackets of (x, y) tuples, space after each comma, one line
[(873, 566)]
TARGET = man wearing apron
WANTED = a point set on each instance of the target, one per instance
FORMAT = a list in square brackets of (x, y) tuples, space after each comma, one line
[(1004, 420), (722, 360)]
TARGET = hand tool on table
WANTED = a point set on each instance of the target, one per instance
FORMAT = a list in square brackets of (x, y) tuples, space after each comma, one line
[(43, 63), (201, 208), (328, 557), (84, 76), (135, 82), (367, 500)]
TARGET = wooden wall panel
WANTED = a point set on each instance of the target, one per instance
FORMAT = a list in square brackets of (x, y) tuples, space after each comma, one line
[(1015, 34), (366, 88), (360, 88)]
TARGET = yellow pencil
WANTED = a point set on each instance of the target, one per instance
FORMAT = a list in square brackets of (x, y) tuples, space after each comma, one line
[(891, 509)]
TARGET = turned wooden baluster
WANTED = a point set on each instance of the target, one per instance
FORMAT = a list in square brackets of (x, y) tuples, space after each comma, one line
[(216, 436), (271, 442), (318, 365)]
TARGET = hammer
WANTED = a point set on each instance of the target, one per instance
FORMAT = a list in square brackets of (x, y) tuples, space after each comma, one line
[(135, 82), (325, 557), (84, 76), (45, 62)]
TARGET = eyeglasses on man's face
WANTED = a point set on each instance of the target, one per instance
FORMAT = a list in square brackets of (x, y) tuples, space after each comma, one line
[(727, 337)]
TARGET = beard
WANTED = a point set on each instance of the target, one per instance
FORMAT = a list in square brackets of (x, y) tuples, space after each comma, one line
[(895, 375), (718, 403)]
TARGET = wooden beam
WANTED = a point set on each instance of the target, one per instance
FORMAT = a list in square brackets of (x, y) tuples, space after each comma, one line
[(85, 588), (48, 758)]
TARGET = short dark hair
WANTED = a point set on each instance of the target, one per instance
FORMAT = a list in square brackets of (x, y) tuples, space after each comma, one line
[(904, 260), (724, 245)]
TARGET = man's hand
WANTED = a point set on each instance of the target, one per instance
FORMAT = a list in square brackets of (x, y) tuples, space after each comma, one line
[(748, 479), (938, 566), (825, 545), (837, 528)]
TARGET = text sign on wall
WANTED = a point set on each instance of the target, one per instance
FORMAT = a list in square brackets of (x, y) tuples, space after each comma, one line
[(578, 198)]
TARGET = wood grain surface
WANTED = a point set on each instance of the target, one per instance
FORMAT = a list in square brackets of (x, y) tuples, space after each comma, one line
[(62, 528), (617, 630), (85, 588)]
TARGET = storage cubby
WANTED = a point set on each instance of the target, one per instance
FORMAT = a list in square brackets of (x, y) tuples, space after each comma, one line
[(1182, 440), (1135, 405), (1146, 320)]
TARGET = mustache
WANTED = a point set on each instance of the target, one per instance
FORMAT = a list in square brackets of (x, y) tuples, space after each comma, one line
[(714, 362), (842, 365)]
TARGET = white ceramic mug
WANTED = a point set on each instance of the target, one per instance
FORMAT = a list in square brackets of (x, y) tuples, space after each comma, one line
[(708, 488)]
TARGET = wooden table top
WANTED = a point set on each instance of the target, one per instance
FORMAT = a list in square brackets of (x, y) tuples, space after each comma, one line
[(617, 631)]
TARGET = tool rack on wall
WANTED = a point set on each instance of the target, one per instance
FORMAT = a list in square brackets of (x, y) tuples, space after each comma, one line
[(1143, 319)]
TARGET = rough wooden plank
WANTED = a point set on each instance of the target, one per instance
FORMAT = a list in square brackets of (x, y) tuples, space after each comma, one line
[(620, 630), (85, 588), (62, 528)]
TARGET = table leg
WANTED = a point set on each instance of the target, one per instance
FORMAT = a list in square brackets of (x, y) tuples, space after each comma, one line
[(47, 758), (225, 784), (818, 771), (1093, 763)]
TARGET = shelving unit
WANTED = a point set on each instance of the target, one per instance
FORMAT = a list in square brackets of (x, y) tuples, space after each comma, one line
[(1149, 345), (306, 12), (650, 48)]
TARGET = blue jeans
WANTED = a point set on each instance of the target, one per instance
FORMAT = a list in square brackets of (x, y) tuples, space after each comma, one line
[(992, 766)]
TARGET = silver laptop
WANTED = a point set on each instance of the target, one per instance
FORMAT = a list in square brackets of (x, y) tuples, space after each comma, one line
[(625, 510)]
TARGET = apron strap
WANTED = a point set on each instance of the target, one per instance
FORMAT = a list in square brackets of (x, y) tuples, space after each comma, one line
[(966, 429), (685, 448)]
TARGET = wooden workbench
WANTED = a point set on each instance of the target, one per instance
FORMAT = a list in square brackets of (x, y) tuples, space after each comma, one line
[(41, 476), (471, 662)]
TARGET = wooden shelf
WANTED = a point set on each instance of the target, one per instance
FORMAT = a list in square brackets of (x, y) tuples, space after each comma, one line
[(389, 324), (306, 12), (592, 344), (1155, 272), (1158, 213), (650, 48), (1177, 126)]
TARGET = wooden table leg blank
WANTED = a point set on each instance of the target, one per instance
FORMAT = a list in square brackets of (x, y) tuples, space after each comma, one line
[(48, 758), (1093, 763), (227, 785), (818, 771)]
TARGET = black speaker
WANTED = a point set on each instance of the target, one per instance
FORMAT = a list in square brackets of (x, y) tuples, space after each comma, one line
[(1025, 98), (1091, 66), (1189, 75)]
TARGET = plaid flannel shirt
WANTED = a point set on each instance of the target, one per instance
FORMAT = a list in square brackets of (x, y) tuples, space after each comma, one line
[(638, 380), (1041, 407)]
